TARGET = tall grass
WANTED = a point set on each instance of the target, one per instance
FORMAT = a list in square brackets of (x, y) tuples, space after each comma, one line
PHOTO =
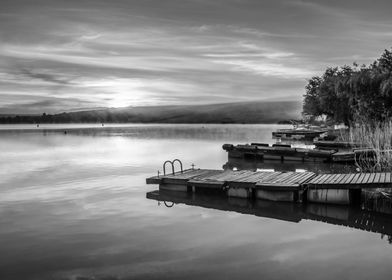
[(377, 138)]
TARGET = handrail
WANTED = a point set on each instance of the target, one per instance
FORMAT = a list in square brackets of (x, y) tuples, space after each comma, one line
[(172, 165), (179, 161), (164, 166)]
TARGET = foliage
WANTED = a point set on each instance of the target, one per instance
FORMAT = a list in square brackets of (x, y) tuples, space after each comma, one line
[(376, 138), (352, 94)]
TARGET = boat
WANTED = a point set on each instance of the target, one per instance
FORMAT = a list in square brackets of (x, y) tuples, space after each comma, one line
[(301, 132)]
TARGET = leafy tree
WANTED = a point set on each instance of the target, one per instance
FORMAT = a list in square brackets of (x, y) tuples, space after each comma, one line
[(351, 94)]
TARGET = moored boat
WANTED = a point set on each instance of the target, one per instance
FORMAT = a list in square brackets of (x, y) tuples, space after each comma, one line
[(303, 132)]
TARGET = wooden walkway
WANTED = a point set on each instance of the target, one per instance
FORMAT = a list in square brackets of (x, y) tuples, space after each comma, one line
[(218, 179), (207, 178), (351, 181)]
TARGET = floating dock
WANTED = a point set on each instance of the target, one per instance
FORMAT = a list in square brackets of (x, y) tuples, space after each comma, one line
[(277, 152), (275, 186), (287, 153), (275, 165)]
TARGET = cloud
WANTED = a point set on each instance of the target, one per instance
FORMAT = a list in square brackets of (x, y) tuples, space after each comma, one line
[(250, 55), (267, 69), (104, 53), (51, 78)]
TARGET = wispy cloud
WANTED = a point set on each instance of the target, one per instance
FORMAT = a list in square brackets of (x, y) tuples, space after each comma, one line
[(79, 54), (250, 55), (46, 77), (267, 69)]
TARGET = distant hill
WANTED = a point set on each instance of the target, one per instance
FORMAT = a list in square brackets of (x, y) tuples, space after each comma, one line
[(246, 112)]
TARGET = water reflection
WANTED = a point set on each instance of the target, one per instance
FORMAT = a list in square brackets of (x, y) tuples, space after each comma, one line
[(232, 132), (358, 218), (74, 207)]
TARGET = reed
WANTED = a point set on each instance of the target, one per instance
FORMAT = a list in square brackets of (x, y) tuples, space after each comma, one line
[(378, 139)]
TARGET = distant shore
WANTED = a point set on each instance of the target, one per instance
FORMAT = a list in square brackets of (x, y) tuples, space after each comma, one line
[(260, 112)]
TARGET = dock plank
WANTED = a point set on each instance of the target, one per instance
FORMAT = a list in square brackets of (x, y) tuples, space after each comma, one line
[(388, 178), (355, 178), (207, 173), (360, 178), (371, 177), (330, 178), (342, 178), (239, 177), (218, 176), (258, 176), (366, 179), (349, 178), (283, 177), (304, 178), (244, 177), (326, 178), (267, 177), (318, 178), (294, 178), (382, 178), (337, 179), (274, 176), (309, 177), (377, 178), (182, 178)]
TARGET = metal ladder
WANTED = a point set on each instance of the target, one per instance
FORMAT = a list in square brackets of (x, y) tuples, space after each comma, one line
[(172, 162)]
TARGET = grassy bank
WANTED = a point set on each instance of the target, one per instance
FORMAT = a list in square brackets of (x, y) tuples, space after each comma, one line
[(378, 138)]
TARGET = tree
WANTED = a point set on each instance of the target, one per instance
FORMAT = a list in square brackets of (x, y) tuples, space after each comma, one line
[(349, 94)]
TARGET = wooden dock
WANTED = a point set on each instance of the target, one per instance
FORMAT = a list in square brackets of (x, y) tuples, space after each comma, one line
[(286, 153), (207, 178), (277, 152), (351, 181), (316, 167), (276, 186)]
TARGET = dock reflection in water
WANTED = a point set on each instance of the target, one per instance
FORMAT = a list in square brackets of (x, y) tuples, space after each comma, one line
[(353, 217)]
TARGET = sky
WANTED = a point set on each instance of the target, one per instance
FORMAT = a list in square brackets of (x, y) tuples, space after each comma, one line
[(66, 55)]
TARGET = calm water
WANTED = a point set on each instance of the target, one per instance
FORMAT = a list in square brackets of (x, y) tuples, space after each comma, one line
[(74, 206)]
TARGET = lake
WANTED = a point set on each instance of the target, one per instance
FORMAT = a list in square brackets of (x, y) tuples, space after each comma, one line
[(74, 205)]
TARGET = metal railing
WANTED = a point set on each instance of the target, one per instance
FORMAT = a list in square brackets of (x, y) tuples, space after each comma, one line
[(172, 162)]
